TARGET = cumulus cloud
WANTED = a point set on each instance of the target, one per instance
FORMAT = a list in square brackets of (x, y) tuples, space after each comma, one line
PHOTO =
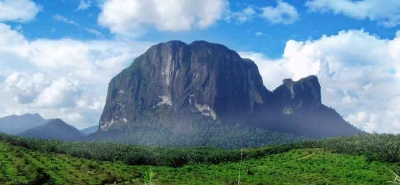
[(24, 88), (11, 40), (359, 74), (131, 17), (91, 61), (283, 13), (62, 92), (386, 13), (18, 10), (363, 120), (13, 50), (42, 92), (272, 71), (62, 78)]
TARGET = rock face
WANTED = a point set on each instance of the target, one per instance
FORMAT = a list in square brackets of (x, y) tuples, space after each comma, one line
[(302, 94), (173, 82), (183, 79)]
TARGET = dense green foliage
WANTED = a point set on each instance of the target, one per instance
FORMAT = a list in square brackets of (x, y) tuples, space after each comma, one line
[(19, 165), (375, 147), (220, 137), (143, 155), (154, 128)]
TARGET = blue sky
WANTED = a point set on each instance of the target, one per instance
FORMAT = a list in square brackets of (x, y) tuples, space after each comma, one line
[(59, 55), (238, 36)]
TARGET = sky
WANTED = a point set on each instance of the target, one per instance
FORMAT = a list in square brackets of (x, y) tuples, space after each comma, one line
[(58, 56)]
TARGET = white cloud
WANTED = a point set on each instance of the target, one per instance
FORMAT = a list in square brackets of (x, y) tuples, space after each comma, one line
[(83, 5), (24, 88), (361, 119), (18, 10), (131, 17), (272, 71), (13, 50), (61, 18), (355, 70), (94, 32), (258, 34), (2, 111), (91, 61), (385, 12), (63, 78), (283, 13), (42, 92), (243, 16), (62, 92), (11, 41)]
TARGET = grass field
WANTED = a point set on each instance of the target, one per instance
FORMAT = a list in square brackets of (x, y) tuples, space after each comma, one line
[(301, 166)]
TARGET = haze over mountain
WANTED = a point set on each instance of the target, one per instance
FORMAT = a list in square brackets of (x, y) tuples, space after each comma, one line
[(178, 87), (90, 130), (14, 124), (54, 129), (297, 108)]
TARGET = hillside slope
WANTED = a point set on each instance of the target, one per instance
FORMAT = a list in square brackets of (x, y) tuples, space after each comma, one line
[(90, 130), (54, 129)]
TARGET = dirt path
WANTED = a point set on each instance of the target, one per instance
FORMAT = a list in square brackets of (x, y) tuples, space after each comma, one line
[(307, 156)]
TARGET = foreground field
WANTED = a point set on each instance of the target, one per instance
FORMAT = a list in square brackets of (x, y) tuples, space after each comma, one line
[(19, 165)]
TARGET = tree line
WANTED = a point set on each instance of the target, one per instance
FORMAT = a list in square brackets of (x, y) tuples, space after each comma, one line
[(375, 147)]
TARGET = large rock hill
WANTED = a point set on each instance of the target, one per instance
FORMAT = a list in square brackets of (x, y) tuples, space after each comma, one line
[(174, 86)]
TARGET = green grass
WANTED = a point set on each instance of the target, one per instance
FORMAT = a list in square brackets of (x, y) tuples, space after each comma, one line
[(22, 166), (19, 165)]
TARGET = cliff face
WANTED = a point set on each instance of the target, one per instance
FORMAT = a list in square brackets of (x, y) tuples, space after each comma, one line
[(208, 79), (299, 110), (302, 94), (173, 82)]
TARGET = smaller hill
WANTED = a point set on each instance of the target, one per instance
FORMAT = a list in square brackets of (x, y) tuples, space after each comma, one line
[(15, 124), (90, 130), (54, 129)]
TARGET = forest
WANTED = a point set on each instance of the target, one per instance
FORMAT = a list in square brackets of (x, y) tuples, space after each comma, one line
[(375, 147)]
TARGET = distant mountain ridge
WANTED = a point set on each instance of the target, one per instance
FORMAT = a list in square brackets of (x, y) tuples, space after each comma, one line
[(54, 129), (15, 124), (90, 130)]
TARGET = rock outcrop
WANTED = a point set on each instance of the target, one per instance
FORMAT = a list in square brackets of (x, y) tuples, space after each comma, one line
[(182, 79), (173, 84), (302, 94)]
